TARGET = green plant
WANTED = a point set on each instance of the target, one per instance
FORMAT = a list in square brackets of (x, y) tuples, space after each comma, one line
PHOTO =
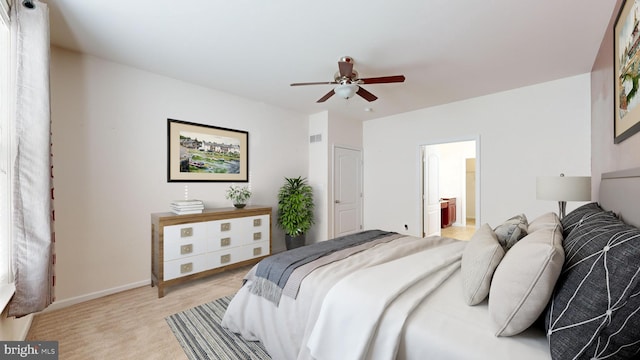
[(295, 206), (238, 194)]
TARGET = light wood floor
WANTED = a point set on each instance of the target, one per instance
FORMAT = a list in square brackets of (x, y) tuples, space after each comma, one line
[(460, 232), (130, 324)]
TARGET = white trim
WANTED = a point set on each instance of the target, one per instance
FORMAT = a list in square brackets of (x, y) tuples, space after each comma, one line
[(4, 12), (6, 292), (57, 305), (26, 328), (6, 150)]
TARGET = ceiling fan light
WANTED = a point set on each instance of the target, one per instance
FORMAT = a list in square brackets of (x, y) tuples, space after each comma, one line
[(346, 91)]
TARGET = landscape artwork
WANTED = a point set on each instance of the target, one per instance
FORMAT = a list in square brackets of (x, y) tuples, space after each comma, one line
[(199, 152), (627, 71)]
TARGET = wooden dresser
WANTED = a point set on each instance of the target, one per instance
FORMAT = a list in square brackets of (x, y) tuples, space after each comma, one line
[(448, 211), (189, 247)]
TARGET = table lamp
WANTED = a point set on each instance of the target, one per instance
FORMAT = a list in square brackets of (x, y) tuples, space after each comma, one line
[(562, 189)]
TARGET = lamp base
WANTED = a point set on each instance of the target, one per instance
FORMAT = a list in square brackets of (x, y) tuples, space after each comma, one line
[(562, 208)]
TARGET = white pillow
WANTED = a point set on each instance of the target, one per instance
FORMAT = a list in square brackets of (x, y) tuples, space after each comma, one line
[(549, 219), (479, 260), (523, 282)]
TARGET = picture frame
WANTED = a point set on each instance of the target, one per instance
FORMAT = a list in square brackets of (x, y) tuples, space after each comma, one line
[(626, 60), (200, 153)]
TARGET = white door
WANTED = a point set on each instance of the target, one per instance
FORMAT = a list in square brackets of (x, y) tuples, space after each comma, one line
[(431, 199), (347, 191)]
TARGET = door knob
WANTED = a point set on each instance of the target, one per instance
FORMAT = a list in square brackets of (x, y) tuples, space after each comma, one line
[(337, 201)]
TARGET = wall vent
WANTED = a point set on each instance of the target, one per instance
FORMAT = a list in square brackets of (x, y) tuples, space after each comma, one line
[(315, 138)]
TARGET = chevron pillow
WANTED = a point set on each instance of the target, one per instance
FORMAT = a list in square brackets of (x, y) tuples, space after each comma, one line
[(595, 310)]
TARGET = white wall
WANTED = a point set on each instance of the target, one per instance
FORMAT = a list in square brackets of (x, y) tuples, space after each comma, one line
[(109, 125), (523, 133), (318, 165)]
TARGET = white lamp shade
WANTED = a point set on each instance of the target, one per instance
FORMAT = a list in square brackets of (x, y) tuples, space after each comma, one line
[(346, 91), (563, 188)]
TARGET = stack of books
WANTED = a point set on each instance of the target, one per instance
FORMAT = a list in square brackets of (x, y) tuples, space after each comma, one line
[(182, 207)]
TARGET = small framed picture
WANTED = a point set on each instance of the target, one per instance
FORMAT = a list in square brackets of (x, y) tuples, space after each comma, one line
[(199, 152)]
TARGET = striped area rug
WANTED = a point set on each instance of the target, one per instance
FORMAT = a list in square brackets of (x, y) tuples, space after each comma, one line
[(200, 334)]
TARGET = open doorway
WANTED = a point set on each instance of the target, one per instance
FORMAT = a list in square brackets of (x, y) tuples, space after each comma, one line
[(450, 189)]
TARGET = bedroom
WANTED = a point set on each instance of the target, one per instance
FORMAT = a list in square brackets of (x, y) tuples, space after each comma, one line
[(103, 197)]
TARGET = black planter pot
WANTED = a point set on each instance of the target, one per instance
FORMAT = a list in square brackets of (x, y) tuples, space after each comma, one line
[(293, 242)]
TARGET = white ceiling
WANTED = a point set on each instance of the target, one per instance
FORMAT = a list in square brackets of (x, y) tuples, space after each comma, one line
[(448, 50)]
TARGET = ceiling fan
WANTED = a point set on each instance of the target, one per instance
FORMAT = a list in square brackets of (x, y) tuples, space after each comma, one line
[(348, 83)]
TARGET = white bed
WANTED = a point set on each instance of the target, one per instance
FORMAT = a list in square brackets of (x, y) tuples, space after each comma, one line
[(399, 299)]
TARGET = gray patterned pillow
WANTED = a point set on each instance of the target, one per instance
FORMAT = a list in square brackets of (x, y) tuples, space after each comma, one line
[(582, 213), (512, 230), (595, 311)]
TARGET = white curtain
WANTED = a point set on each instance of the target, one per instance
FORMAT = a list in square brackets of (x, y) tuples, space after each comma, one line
[(33, 237)]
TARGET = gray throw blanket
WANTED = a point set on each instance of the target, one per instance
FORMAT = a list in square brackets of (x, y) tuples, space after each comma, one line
[(272, 273)]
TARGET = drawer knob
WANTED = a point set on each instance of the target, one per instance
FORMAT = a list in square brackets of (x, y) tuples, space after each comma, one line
[(257, 251), (225, 259), (225, 226), (257, 222), (186, 232), (186, 249), (186, 268), (225, 241), (257, 236)]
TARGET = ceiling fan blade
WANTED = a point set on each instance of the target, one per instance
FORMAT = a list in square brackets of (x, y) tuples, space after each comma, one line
[(366, 95), (315, 83), (327, 96), (382, 80), (346, 68)]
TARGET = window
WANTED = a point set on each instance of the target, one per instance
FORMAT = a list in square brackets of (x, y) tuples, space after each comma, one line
[(6, 116)]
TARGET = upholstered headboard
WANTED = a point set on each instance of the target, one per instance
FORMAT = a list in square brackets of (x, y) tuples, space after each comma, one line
[(620, 193)]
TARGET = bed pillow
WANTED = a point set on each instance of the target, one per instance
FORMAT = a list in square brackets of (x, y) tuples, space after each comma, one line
[(479, 260), (549, 219), (511, 231), (595, 309), (572, 219), (524, 281)]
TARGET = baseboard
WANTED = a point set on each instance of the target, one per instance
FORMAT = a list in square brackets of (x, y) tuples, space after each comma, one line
[(57, 305), (25, 329), (14, 329)]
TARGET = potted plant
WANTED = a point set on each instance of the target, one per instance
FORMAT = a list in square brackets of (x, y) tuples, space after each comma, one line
[(238, 195), (295, 210)]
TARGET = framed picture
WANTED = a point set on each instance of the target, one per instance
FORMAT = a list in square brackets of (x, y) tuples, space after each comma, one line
[(626, 64), (206, 153)]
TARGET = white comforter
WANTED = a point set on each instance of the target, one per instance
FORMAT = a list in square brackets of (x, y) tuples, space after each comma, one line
[(362, 316), (372, 306)]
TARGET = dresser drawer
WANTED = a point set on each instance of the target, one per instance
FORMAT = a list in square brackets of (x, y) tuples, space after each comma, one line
[(183, 248), (257, 229), (226, 234), (185, 266), (185, 231), (255, 250), (233, 255)]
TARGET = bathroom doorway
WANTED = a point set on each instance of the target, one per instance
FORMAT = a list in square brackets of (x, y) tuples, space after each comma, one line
[(450, 188)]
